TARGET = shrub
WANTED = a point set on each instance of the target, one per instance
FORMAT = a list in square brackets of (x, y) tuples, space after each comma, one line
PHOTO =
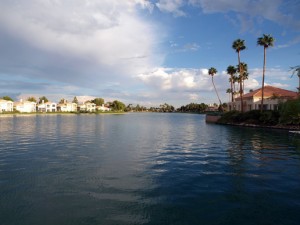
[(290, 112)]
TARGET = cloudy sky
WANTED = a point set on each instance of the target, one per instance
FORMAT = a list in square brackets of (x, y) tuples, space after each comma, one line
[(139, 51)]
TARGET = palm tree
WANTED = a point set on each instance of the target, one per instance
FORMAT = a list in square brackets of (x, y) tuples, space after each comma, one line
[(296, 69), (231, 70), (212, 71), (239, 45), (243, 71), (266, 41)]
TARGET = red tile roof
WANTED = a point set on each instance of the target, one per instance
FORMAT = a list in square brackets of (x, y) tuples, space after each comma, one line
[(270, 91)]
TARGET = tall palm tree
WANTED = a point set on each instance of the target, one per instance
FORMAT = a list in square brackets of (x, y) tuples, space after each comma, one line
[(239, 45), (243, 71), (231, 70), (212, 71), (266, 41), (296, 70)]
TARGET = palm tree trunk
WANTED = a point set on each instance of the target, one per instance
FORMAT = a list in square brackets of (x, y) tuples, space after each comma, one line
[(212, 79), (263, 82), (241, 87), (231, 86), (299, 83)]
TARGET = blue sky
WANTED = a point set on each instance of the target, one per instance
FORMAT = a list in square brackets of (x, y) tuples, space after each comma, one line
[(142, 52)]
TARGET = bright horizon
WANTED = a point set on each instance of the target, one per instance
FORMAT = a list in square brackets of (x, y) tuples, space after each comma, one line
[(142, 52)]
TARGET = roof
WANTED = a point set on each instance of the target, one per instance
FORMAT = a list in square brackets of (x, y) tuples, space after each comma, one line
[(23, 103), (270, 91), (67, 103)]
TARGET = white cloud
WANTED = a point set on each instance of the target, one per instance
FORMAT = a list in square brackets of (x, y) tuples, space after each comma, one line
[(78, 41), (171, 6), (194, 97), (178, 80)]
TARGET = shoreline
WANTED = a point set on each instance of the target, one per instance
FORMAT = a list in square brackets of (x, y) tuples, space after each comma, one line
[(214, 119), (277, 127), (57, 113)]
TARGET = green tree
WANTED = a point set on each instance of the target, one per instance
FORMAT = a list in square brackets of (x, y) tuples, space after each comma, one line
[(118, 106), (243, 74), (75, 100), (31, 99), (212, 71), (98, 101), (239, 45), (290, 112), (231, 70), (266, 41), (7, 98), (43, 98)]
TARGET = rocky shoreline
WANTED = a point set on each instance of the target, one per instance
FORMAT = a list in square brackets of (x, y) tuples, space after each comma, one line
[(215, 118), (280, 126)]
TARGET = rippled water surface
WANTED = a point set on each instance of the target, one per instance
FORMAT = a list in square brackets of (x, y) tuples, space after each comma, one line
[(145, 169)]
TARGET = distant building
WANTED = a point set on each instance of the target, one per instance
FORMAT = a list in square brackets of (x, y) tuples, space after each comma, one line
[(87, 107), (67, 107), (6, 106), (212, 108), (47, 107), (25, 106), (90, 107), (102, 108), (272, 97)]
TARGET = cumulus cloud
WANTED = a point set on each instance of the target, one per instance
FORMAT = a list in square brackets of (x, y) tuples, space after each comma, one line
[(177, 80), (80, 42), (184, 85), (171, 6)]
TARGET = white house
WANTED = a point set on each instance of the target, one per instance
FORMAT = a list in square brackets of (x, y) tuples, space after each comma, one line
[(25, 106), (67, 107), (87, 107), (47, 107), (90, 107), (6, 106), (272, 97), (102, 108)]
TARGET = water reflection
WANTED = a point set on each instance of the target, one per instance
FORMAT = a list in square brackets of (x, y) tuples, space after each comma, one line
[(145, 169)]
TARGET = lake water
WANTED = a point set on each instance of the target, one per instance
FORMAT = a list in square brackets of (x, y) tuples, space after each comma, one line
[(145, 168)]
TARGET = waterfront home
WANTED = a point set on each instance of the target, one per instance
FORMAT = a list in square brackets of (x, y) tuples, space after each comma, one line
[(212, 108), (87, 107), (102, 108), (273, 96), (25, 106), (90, 107), (67, 107), (47, 107), (6, 106)]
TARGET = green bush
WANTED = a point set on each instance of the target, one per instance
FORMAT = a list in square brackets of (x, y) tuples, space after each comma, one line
[(290, 112), (251, 117), (269, 117)]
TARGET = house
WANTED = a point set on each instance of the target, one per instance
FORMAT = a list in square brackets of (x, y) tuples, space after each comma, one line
[(212, 108), (102, 108), (25, 106), (87, 107), (47, 107), (90, 107), (272, 97), (6, 106), (67, 107)]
